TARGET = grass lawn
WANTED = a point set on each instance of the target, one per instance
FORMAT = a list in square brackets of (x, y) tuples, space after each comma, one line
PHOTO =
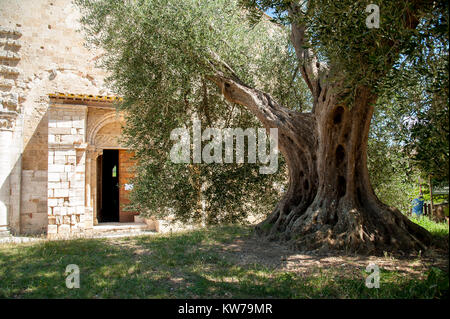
[(219, 262), (438, 230)]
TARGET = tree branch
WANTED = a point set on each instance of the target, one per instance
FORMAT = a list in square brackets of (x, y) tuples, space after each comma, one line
[(310, 67), (261, 104)]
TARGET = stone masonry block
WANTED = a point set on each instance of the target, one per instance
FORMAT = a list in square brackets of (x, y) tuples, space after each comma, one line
[(56, 168), (61, 193), (52, 229), (63, 229), (52, 202), (60, 130), (54, 177), (64, 124)]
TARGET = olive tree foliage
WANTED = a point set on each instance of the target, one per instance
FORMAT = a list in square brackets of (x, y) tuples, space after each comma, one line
[(410, 129), (393, 174), (159, 55), (339, 36), (409, 139), (164, 56), (428, 141)]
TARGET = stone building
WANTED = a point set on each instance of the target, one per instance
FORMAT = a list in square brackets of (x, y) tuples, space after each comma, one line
[(63, 169)]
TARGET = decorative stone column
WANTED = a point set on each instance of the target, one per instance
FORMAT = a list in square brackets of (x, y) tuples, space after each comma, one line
[(10, 133), (91, 186), (7, 163), (93, 180)]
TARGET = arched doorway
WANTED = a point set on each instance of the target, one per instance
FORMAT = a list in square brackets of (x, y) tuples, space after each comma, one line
[(112, 167), (108, 192)]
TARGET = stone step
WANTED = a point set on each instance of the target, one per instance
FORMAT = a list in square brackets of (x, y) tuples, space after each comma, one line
[(122, 234), (120, 228), (5, 233)]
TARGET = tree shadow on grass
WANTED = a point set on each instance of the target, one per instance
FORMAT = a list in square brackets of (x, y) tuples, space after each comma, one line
[(211, 263)]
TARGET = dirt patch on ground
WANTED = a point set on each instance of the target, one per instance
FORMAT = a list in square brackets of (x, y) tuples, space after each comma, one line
[(251, 249), (274, 255)]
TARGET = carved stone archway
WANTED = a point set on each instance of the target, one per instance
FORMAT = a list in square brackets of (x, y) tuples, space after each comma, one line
[(109, 118), (97, 142)]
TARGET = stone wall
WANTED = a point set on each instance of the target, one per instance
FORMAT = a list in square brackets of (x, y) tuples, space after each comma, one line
[(41, 52), (33, 199), (10, 127), (48, 151), (66, 169)]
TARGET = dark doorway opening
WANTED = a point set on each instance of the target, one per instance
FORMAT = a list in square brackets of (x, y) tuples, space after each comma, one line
[(108, 203)]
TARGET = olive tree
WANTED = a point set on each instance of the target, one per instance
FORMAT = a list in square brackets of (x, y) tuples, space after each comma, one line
[(162, 54)]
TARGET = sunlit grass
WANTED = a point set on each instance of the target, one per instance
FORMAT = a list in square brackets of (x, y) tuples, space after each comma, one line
[(185, 265), (436, 229)]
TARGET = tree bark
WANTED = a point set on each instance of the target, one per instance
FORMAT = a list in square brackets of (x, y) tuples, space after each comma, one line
[(329, 204)]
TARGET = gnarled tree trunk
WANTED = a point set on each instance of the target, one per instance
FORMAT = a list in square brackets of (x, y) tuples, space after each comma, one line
[(330, 204)]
